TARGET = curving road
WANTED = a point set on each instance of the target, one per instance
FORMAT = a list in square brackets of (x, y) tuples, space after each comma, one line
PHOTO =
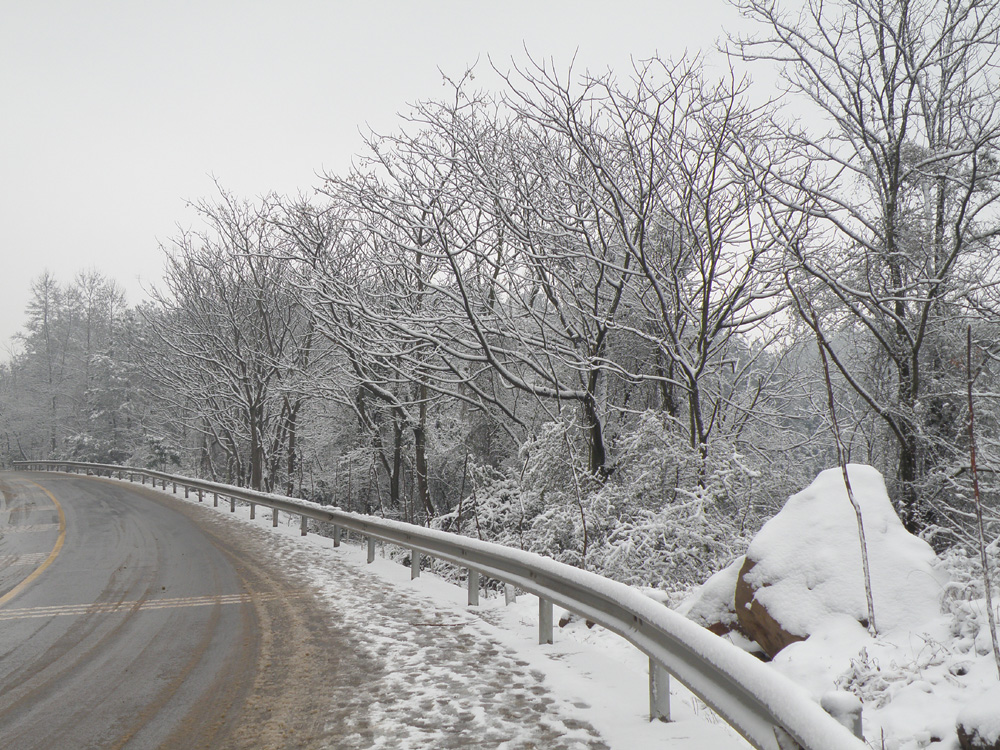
[(129, 619), (133, 619)]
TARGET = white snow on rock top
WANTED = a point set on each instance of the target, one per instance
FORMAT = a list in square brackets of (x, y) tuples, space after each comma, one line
[(712, 602), (808, 558)]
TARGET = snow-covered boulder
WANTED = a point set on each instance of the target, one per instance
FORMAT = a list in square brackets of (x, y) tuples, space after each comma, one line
[(978, 723), (712, 605), (804, 566)]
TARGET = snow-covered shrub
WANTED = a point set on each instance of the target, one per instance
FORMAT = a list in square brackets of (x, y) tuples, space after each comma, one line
[(664, 518), (965, 599), (158, 452), (551, 507), (495, 510), (678, 516)]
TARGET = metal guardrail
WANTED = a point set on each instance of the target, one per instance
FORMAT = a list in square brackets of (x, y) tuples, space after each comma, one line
[(768, 709)]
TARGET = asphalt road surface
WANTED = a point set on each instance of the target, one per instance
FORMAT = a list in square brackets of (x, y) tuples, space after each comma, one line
[(133, 619), (130, 619)]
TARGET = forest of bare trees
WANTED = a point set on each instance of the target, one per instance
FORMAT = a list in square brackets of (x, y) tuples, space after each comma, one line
[(582, 314)]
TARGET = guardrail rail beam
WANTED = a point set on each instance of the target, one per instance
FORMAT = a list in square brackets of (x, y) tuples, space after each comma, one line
[(769, 710)]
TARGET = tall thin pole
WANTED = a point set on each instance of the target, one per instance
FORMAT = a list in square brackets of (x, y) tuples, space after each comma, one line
[(842, 460), (983, 558)]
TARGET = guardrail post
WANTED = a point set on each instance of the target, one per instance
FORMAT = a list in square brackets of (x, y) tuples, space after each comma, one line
[(659, 692), (336, 535), (253, 511), (143, 479), (509, 594), (473, 588), (274, 517), (201, 494), (414, 564), (175, 487), (544, 621), (187, 491), (305, 525), (371, 549), (232, 504), (215, 499)]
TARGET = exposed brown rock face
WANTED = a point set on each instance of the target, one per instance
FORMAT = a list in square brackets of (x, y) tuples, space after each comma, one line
[(970, 739), (755, 620), (978, 727)]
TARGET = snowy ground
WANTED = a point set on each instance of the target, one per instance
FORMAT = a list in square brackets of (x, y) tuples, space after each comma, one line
[(477, 673)]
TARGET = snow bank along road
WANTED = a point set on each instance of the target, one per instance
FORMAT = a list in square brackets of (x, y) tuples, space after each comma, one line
[(131, 619)]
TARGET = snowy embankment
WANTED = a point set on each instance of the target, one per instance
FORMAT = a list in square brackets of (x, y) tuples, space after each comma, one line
[(799, 596), (587, 678)]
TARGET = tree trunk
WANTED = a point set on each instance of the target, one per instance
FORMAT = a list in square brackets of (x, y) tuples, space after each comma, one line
[(907, 474), (395, 494), (256, 451), (597, 455), (292, 466), (420, 455)]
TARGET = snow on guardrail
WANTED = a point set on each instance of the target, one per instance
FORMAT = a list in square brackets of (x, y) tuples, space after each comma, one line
[(768, 709)]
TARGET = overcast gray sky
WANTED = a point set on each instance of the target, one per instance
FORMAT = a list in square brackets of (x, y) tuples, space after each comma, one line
[(117, 112)]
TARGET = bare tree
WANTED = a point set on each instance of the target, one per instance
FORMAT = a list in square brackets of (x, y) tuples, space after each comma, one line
[(238, 338), (895, 206)]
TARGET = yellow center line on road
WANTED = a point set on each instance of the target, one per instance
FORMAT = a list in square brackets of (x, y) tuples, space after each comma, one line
[(139, 604), (48, 560)]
